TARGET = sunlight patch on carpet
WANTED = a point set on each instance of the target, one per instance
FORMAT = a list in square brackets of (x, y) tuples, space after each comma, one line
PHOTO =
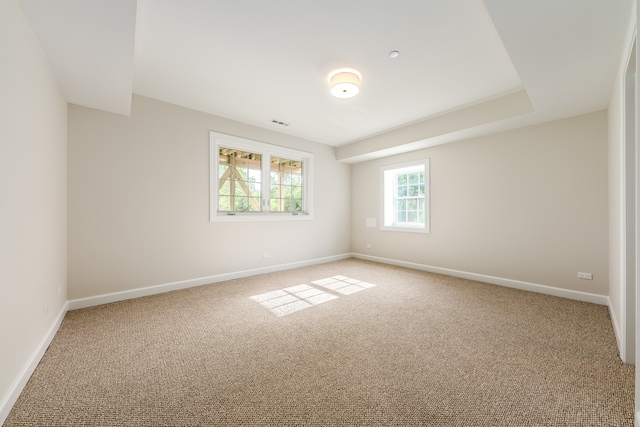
[(295, 298), (292, 299), (343, 285)]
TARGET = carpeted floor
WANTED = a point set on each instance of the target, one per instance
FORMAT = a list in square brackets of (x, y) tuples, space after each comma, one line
[(362, 344)]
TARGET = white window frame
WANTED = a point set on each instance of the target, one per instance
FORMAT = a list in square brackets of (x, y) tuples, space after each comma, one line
[(388, 212), (217, 140)]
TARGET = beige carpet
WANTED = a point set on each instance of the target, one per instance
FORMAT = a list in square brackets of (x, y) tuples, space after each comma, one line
[(376, 346)]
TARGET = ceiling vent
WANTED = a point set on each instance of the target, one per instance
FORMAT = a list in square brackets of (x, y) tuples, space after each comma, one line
[(278, 122)]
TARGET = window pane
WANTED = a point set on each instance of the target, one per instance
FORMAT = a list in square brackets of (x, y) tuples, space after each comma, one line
[(239, 173), (412, 204), (286, 185), (223, 203), (240, 187), (402, 191), (224, 189), (241, 204), (402, 216), (412, 216), (242, 190), (254, 175)]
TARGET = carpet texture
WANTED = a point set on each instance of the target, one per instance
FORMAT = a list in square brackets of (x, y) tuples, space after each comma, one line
[(407, 348)]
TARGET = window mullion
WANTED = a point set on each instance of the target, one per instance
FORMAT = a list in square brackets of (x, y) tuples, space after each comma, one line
[(281, 189), (396, 198), (266, 182), (232, 182)]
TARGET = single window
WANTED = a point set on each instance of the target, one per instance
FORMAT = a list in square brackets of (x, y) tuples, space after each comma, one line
[(286, 185), (405, 197), (252, 180), (240, 174)]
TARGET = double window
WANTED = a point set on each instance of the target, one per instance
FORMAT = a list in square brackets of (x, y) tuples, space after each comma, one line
[(405, 197), (253, 180)]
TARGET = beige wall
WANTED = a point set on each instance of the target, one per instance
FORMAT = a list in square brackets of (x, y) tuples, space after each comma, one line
[(527, 205), (139, 202), (622, 174), (33, 223), (616, 238)]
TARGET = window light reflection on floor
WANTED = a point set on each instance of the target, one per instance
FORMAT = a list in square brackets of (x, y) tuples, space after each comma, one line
[(295, 298), (292, 299), (343, 285)]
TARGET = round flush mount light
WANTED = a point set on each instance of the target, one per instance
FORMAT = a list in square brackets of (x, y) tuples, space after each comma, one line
[(344, 84), (394, 54)]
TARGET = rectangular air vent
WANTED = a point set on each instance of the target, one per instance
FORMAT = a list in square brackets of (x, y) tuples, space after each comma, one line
[(278, 122)]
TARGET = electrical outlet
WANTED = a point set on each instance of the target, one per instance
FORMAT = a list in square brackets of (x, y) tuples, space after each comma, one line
[(267, 255), (586, 276)]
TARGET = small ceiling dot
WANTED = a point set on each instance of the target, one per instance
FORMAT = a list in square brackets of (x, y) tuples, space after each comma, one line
[(394, 54)]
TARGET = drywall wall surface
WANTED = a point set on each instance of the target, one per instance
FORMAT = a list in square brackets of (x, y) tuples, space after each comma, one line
[(615, 194), (33, 199), (528, 204), (139, 202), (615, 169)]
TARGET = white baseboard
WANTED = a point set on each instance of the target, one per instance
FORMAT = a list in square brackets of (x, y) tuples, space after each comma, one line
[(167, 287), (10, 398), (184, 284), (18, 385), (617, 329), (517, 284), (636, 421)]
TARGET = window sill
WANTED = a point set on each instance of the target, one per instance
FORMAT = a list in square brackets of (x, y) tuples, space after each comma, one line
[(423, 230)]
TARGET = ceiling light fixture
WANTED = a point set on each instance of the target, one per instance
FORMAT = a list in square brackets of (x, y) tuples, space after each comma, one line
[(394, 54), (344, 84)]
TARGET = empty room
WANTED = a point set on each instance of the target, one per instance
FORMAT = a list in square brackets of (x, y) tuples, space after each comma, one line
[(319, 213)]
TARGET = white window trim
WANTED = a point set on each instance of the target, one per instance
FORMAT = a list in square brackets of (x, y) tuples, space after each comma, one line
[(386, 208), (266, 150)]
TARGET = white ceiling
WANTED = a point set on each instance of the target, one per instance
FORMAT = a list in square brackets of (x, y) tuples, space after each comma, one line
[(254, 61), (273, 60), (90, 45)]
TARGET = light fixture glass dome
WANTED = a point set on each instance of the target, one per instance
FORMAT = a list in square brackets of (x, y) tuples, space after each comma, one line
[(344, 84)]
